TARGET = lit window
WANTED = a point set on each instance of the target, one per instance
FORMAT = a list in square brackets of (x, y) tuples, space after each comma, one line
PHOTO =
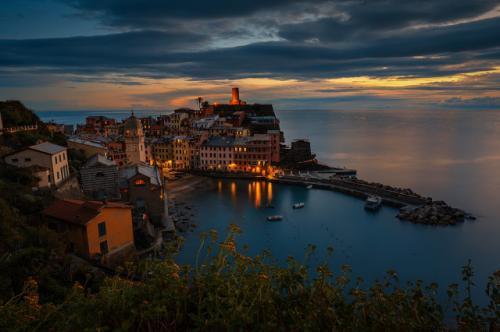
[(140, 182)]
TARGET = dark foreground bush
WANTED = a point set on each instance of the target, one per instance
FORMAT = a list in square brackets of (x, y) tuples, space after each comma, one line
[(231, 291)]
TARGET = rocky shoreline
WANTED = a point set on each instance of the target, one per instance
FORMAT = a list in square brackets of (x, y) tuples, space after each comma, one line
[(182, 215), (434, 213)]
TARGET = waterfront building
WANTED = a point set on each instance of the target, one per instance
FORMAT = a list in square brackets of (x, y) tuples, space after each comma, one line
[(95, 230), (134, 140), (253, 154), (182, 148), (87, 147), (163, 151), (50, 156), (250, 154), (141, 186), (217, 153), (299, 151), (276, 137), (99, 177)]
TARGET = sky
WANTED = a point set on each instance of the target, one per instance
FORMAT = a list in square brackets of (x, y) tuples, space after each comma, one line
[(296, 54)]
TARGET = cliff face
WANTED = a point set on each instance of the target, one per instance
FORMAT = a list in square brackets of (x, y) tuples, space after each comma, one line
[(14, 114)]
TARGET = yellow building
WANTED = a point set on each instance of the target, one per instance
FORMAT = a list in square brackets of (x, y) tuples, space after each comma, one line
[(182, 152), (48, 155), (163, 152), (95, 229)]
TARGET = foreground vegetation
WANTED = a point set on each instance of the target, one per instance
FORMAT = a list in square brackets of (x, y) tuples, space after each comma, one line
[(231, 291)]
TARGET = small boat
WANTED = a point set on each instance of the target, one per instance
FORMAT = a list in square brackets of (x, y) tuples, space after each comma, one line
[(373, 203), (275, 218), (298, 205), (309, 186)]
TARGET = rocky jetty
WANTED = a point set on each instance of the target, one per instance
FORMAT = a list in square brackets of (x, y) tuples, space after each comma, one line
[(434, 213), (182, 215), (397, 190)]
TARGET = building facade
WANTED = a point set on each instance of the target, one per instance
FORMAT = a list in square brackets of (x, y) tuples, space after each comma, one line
[(99, 177), (134, 141), (94, 229), (51, 156)]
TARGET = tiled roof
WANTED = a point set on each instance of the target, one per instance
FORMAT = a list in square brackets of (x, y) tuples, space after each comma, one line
[(76, 211), (86, 142), (47, 147), (98, 159), (151, 172), (219, 141)]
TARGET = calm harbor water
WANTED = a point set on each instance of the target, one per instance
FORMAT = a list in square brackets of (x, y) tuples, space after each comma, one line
[(449, 155)]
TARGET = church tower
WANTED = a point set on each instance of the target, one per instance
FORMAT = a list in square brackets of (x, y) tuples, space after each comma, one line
[(134, 140)]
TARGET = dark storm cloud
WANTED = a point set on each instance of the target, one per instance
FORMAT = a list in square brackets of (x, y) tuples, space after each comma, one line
[(130, 48), (162, 54), (492, 103), (138, 13), (375, 18)]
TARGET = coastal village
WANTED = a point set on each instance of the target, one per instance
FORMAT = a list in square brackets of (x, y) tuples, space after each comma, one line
[(111, 181)]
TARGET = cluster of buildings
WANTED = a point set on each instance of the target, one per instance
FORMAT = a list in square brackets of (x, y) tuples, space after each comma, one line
[(232, 137), (122, 176)]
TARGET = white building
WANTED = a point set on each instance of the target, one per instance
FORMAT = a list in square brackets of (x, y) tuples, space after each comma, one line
[(46, 155)]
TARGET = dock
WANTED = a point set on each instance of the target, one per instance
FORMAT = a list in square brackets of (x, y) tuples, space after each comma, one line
[(394, 197)]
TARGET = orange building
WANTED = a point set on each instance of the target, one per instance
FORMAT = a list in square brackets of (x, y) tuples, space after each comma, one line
[(95, 229)]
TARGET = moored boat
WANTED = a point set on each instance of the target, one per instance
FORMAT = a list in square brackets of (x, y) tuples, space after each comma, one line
[(298, 205), (275, 218), (309, 186), (373, 203)]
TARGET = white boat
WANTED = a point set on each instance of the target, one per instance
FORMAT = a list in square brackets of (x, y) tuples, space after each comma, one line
[(373, 203), (309, 186), (275, 218), (298, 205)]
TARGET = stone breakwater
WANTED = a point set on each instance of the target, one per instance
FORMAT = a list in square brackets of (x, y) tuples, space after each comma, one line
[(413, 207), (434, 213)]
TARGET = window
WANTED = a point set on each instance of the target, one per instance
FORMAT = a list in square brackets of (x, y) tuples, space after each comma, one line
[(104, 247), (102, 228), (64, 156), (14, 160), (55, 160), (57, 173), (27, 159), (99, 175), (140, 182)]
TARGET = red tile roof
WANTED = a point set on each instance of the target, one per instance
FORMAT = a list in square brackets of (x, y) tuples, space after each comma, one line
[(77, 211)]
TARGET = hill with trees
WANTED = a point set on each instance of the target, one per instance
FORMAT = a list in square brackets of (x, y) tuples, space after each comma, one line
[(14, 114)]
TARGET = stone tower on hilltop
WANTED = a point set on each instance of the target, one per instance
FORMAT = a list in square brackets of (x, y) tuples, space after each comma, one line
[(134, 140)]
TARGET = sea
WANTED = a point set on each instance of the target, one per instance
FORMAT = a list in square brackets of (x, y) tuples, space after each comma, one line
[(450, 155)]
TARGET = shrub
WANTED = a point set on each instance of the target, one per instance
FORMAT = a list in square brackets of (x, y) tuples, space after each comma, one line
[(229, 291)]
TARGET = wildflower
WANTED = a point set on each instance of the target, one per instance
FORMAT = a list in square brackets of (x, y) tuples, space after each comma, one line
[(263, 276)]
